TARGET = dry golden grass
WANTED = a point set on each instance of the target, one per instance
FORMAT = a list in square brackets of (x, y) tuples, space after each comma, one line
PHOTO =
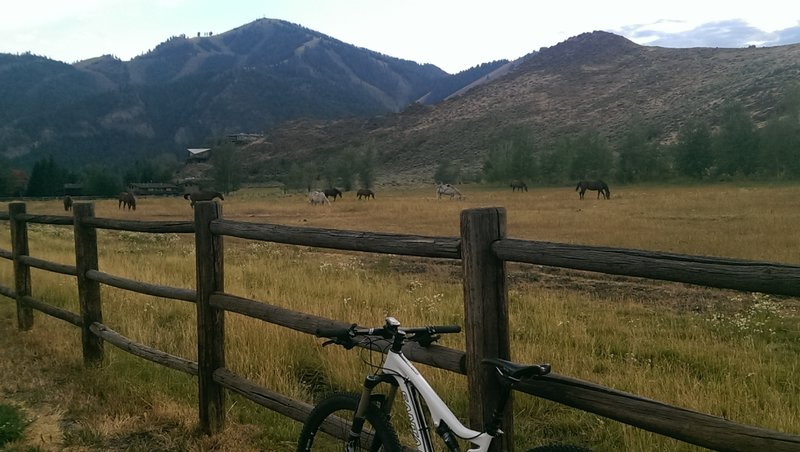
[(695, 348)]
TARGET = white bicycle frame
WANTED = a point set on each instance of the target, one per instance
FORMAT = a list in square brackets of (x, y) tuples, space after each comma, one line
[(413, 386)]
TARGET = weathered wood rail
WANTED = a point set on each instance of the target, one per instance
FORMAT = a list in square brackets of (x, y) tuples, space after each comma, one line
[(483, 250)]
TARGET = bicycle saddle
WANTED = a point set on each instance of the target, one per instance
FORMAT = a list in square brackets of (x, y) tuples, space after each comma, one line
[(518, 371)]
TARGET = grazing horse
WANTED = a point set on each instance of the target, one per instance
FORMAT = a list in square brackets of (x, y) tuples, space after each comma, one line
[(365, 193), (332, 192), (67, 202), (447, 190), (600, 186), (318, 197), (126, 199), (518, 185), (202, 196)]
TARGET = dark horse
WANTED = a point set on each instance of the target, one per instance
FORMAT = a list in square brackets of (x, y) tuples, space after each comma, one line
[(518, 185), (202, 196), (365, 193), (126, 199), (68, 202), (600, 186), (332, 192)]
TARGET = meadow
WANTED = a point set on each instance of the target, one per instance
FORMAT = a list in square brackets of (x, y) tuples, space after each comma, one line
[(725, 353)]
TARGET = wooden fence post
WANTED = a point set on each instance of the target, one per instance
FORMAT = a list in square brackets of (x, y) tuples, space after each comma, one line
[(486, 315), (210, 320), (88, 290), (22, 272)]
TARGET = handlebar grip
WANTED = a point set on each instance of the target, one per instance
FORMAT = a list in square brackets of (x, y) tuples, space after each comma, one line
[(332, 332), (445, 329)]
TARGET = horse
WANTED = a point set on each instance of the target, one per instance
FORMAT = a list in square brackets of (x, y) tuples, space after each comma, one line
[(365, 193), (332, 192), (447, 190), (67, 202), (318, 197), (202, 196), (126, 199), (518, 185), (600, 186)]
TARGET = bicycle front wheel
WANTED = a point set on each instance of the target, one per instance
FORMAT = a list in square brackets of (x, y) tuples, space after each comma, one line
[(328, 426)]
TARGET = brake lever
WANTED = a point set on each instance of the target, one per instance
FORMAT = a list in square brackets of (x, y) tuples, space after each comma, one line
[(427, 339)]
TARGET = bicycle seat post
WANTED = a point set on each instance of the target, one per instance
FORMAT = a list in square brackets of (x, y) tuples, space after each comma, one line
[(505, 394)]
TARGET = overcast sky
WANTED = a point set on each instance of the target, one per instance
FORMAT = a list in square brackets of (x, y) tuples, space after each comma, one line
[(452, 34)]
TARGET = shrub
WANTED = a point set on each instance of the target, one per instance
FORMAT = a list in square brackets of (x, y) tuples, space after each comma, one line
[(11, 424)]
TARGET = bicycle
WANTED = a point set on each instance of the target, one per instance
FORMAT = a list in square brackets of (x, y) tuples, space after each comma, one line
[(367, 425)]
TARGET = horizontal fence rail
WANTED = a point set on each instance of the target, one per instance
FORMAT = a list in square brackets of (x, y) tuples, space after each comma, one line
[(155, 290), (401, 244), (686, 425), (49, 266), (53, 311), (159, 227), (44, 219), (143, 351), (778, 279)]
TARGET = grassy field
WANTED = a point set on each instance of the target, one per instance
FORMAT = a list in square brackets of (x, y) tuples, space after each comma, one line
[(724, 353)]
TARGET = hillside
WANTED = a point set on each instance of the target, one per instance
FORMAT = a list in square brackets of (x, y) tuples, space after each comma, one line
[(189, 90), (596, 80)]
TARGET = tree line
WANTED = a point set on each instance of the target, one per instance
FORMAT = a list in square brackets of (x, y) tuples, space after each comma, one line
[(737, 148)]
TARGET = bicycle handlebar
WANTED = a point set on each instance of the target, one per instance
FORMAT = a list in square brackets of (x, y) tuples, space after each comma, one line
[(424, 335)]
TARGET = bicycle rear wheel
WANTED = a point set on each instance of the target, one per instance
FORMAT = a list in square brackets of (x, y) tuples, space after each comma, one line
[(328, 426)]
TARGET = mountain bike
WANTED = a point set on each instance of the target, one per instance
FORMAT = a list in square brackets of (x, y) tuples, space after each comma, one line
[(353, 422)]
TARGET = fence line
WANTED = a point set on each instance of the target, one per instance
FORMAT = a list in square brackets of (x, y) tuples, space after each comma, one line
[(483, 249)]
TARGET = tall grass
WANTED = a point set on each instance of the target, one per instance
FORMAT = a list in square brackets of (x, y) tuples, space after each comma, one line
[(727, 354)]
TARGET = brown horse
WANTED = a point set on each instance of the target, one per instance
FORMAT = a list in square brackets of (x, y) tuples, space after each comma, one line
[(332, 192), (600, 186), (126, 199), (519, 185), (202, 196), (365, 193), (67, 202)]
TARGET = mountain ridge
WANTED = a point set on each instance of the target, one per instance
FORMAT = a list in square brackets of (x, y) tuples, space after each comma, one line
[(595, 81), (187, 91)]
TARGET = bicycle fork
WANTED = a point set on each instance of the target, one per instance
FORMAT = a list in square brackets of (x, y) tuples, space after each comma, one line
[(383, 402)]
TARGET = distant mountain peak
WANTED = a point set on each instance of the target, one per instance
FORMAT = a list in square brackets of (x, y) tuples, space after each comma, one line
[(593, 47)]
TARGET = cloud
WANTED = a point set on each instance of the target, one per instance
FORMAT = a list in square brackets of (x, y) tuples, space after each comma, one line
[(787, 36), (733, 33)]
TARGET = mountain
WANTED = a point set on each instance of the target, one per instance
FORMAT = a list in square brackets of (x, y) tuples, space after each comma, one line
[(189, 90), (598, 81)]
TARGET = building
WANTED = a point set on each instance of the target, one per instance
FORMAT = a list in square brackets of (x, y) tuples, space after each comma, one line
[(155, 189), (198, 155)]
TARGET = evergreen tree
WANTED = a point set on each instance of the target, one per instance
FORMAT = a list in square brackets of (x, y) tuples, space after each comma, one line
[(512, 158), (638, 155), (592, 158), (693, 155), (48, 178), (227, 170), (447, 173), (736, 144), (100, 181), (365, 167), (779, 148)]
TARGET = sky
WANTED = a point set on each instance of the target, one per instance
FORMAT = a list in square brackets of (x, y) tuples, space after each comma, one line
[(451, 34)]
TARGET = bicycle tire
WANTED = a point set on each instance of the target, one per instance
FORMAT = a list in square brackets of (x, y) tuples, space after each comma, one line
[(559, 448), (379, 434)]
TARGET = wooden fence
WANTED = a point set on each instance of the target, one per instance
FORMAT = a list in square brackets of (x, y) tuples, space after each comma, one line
[(483, 250)]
